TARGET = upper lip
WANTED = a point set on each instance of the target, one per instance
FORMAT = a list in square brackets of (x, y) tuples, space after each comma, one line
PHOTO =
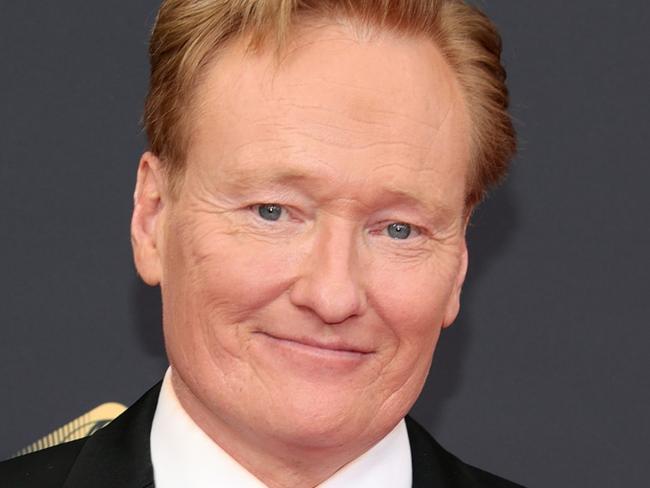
[(333, 344)]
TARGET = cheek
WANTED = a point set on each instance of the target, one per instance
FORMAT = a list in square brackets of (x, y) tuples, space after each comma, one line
[(414, 295), (225, 275), (412, 302), (411, 306)]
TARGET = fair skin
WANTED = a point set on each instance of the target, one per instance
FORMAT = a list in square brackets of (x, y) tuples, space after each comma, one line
[(316, 247)]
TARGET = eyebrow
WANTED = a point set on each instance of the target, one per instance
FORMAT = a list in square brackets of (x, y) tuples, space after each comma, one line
[(290, 175), (281, 176)]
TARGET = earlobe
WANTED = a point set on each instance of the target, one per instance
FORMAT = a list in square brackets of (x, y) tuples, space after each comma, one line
[(146, 222)]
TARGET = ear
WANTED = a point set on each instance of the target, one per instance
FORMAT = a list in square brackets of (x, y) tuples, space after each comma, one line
[(453, 305), (147, 219)]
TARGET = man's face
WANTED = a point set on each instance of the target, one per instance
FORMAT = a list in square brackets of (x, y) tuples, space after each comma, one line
[(317, 246)]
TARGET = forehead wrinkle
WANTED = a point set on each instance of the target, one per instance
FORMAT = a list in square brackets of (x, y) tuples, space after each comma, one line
[(353, 115), (332, 140), (365, 133), (348, 85)]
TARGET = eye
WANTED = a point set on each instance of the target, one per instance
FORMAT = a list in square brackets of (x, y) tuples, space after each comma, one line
[(399, 230), (269, 211)]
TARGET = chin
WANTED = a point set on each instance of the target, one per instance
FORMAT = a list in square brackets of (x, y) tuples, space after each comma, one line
[(329, 422), (325, 432)]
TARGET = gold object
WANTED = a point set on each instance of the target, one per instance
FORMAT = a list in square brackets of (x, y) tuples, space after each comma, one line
[(80, 427)]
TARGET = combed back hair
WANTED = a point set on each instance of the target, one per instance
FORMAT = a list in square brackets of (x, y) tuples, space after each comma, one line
[(188, 33)]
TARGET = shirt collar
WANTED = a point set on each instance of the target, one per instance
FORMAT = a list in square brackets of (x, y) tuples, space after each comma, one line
[(183, 455)]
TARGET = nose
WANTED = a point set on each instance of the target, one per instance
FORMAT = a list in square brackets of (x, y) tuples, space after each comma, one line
[(330, 282)]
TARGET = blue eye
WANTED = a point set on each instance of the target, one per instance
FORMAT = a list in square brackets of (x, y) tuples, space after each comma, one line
[(399, 230), (269, 211)]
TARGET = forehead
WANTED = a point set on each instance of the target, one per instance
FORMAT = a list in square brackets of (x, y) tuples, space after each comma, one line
[(333, 104)]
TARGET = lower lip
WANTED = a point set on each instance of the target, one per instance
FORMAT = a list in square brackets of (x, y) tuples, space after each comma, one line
[(326, 357)]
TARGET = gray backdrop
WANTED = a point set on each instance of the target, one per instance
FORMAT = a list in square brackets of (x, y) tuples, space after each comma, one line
[(544, 378)]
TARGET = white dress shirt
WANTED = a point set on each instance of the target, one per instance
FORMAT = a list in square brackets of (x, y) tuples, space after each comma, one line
[(183, 456)]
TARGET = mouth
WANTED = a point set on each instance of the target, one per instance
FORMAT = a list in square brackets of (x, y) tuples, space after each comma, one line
[(332, 347)]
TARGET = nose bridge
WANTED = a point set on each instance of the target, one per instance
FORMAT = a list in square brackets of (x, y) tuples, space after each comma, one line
[(335, 249), (330, 282)]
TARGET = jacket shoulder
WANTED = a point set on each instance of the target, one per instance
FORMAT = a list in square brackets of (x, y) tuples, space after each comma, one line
[(47, 468), (433, 466), (117, 455)]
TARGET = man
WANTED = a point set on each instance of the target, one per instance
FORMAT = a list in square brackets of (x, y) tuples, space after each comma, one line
[(303, 206)]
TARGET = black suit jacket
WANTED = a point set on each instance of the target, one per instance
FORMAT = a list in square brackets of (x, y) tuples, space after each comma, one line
[(118, 456)]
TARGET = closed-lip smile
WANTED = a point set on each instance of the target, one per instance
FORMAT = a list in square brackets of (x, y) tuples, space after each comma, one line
[(331, 345)]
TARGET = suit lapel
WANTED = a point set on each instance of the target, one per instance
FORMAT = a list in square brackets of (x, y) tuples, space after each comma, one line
[(434, 467), (119, 454), (428, 470)]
